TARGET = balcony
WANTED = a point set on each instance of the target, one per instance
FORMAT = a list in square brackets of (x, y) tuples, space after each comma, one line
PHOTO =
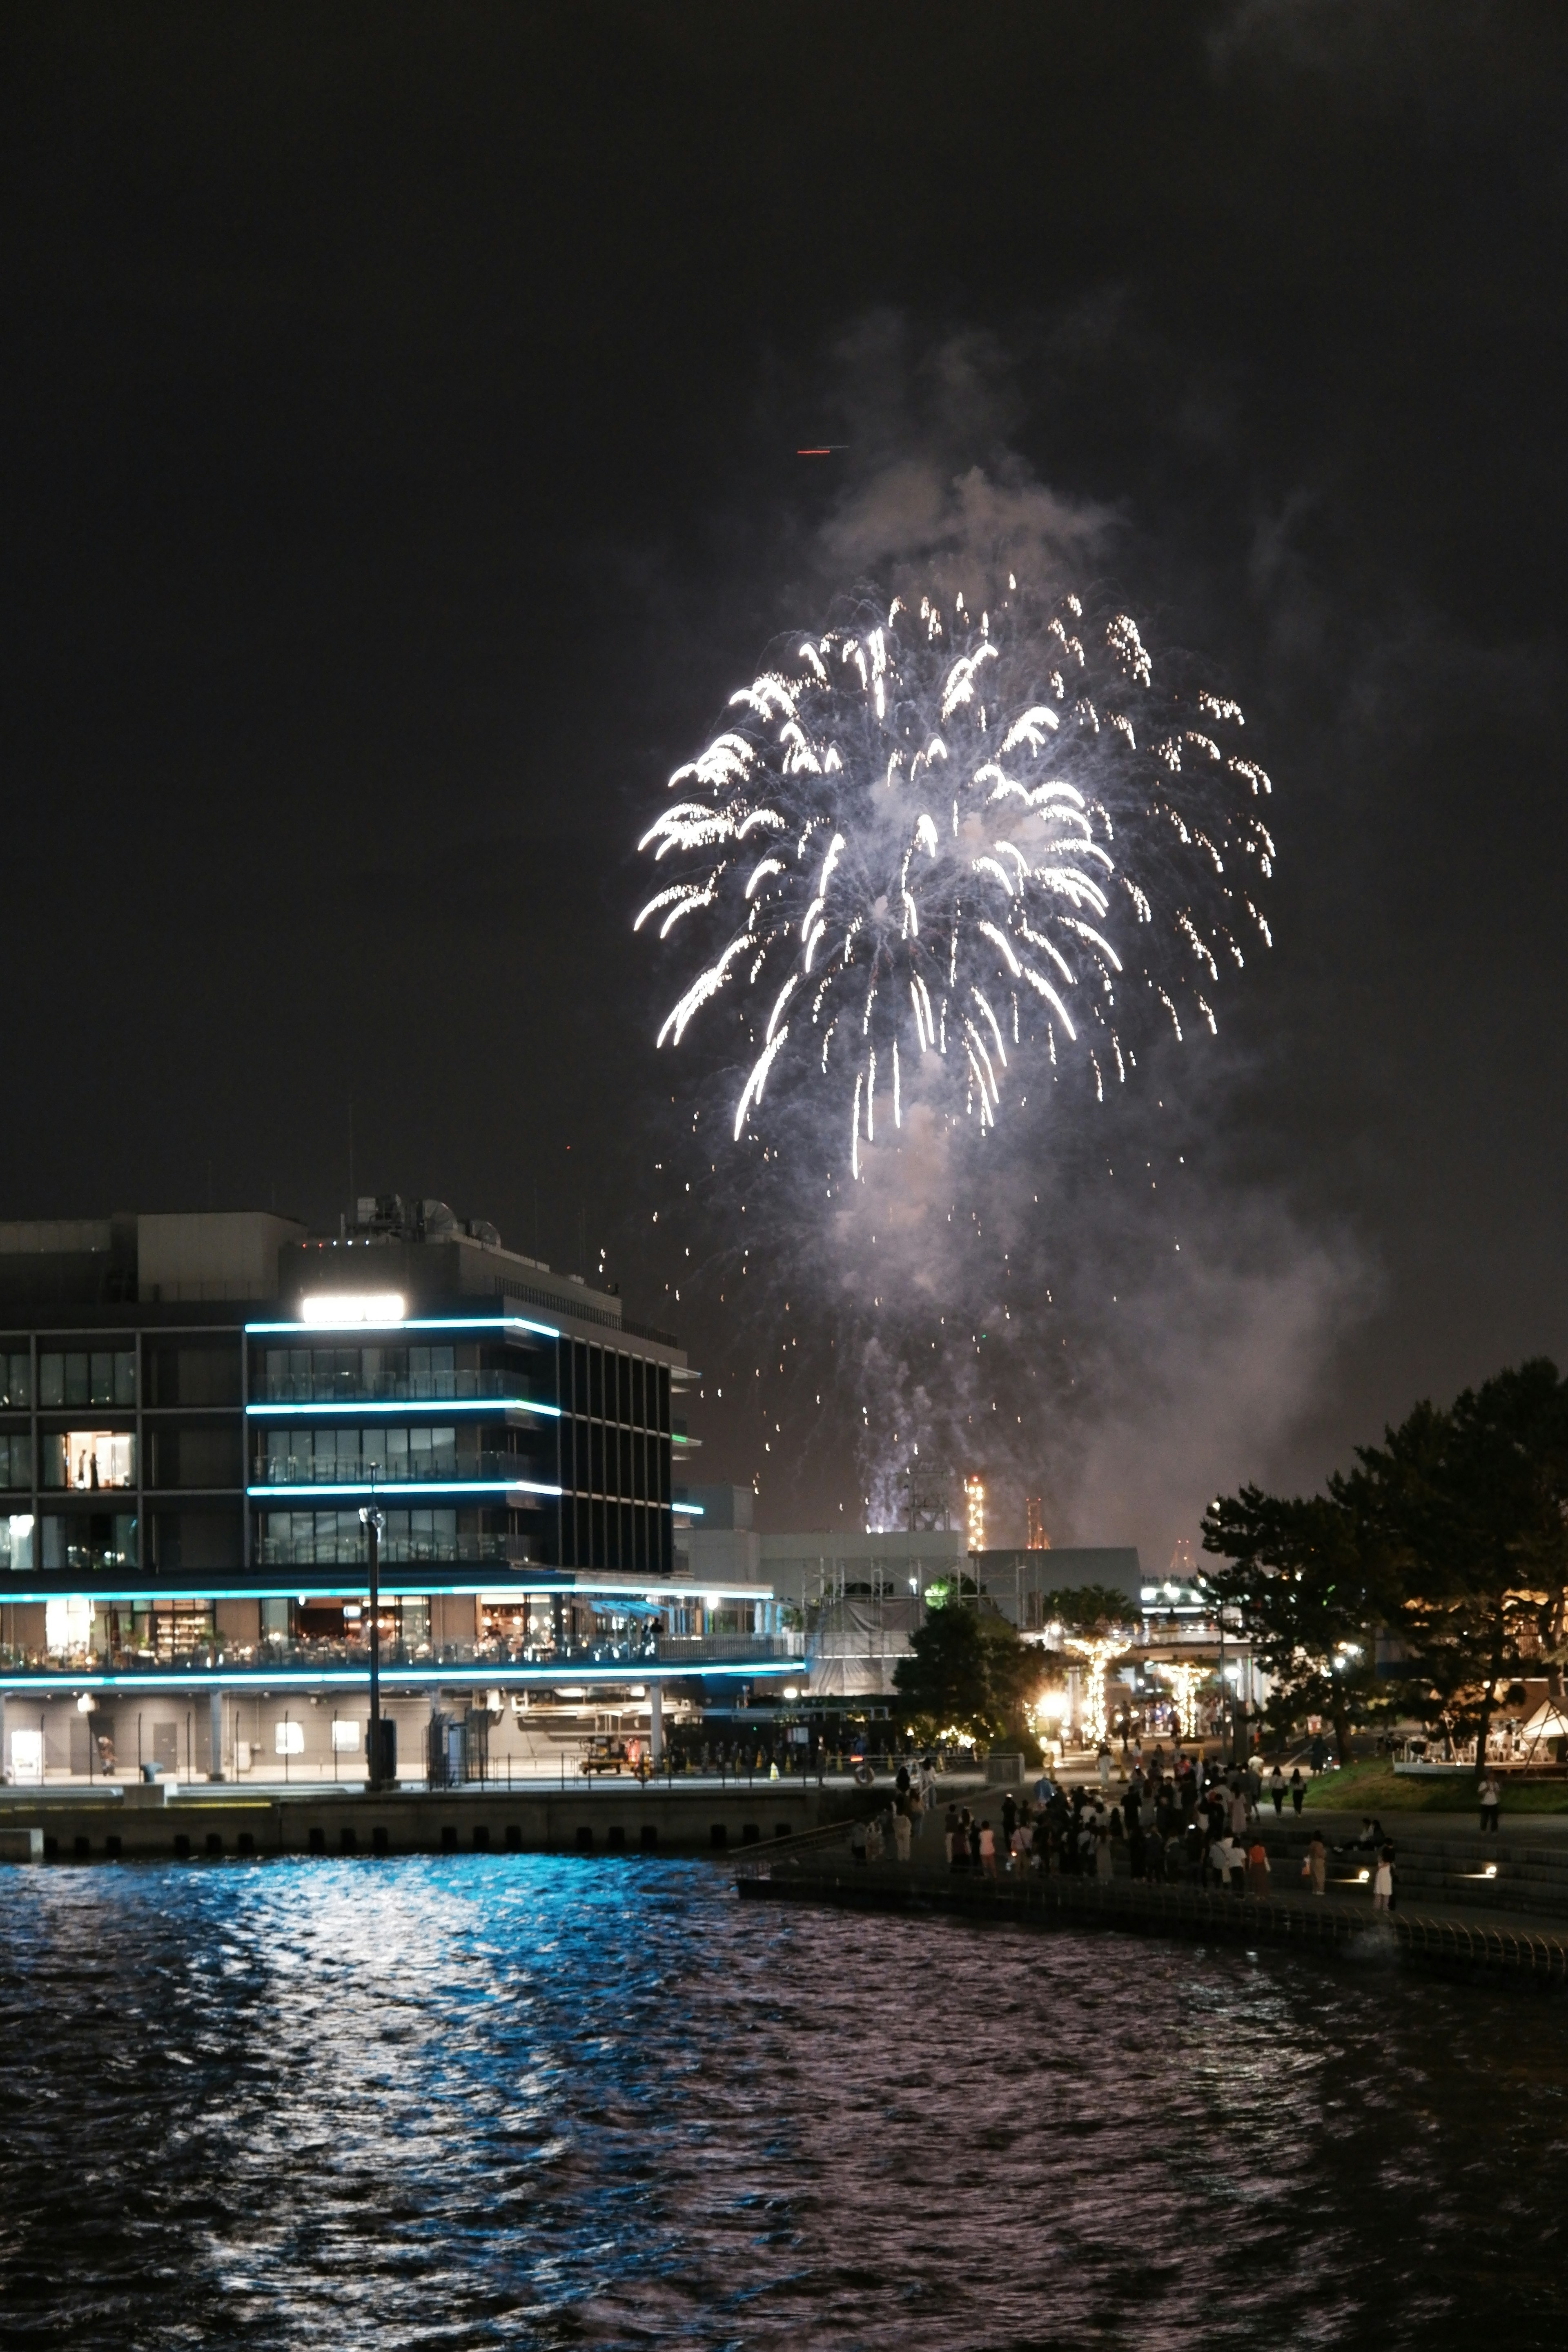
[(393, 1388), (396, 1551), (445, 1465), (641, 1649)]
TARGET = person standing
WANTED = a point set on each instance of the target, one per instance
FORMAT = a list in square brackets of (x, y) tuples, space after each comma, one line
[(1383, 1881), (988, 1849), (1102, 1764), (1298, 1789), (1103, 1860), (950, 1836), (1276, 1790), (1491, 1799), (1257, 1867), (1317, 1862), (903, 1827), (1009, 1816)]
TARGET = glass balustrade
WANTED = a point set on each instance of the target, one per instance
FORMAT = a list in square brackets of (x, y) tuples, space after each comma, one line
[(364, 1469), (396, 1388)]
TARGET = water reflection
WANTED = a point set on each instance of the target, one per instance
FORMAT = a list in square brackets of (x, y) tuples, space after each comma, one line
[(522, 2102)]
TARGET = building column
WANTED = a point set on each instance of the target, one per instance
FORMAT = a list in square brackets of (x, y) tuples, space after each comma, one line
[(214, 1735), (655, 1724), (5, 1759)]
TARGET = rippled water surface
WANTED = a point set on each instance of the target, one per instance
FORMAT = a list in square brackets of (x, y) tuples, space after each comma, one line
[(513, 2101)]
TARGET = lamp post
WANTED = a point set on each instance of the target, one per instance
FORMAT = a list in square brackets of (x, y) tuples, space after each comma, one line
[(374, 1520)]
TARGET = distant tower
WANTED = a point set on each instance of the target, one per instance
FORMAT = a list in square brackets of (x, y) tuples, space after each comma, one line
[(1035, 1538), (974, 1510), (1183, 1567)]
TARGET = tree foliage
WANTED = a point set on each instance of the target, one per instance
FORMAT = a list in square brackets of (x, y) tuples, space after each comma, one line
[(967, 1670), (1087, 1609), (1303, 1584), (1451, 1537)]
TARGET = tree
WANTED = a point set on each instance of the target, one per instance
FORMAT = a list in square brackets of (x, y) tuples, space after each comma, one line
[(1470, 1507), (1305, 1581), (967, 1670), (1087, 1609)]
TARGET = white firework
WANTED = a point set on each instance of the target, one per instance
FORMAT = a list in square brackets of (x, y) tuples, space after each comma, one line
[(924, 847)]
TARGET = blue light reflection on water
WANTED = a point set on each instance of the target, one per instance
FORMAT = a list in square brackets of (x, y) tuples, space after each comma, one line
[(531, 2102)]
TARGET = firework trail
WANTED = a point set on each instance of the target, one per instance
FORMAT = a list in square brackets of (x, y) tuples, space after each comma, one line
[(925, 848)]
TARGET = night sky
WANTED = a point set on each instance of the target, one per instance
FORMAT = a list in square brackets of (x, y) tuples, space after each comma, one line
[(399, 419)]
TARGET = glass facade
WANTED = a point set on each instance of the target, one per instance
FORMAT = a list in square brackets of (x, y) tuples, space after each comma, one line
[(202, 1456)]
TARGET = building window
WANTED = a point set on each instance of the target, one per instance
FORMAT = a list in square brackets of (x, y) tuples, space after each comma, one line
[(16, 1377), (15, 1458), (89, 1543), (331, 1457), (82, 1376), (68, 1625), (17, 1541), (90, 1458)]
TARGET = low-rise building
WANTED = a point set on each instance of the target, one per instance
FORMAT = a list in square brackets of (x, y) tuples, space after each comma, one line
[(196, 1414)]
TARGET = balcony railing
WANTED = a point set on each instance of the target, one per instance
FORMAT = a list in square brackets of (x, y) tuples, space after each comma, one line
[(396, 1551), (365, 1469), (396, 1388), (640, 1649)]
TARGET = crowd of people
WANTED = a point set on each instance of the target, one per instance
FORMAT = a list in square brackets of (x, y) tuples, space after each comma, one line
[(1181, 1821)]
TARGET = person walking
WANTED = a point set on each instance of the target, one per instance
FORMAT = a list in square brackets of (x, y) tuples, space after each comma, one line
[(1490, 1798), (1276, 1790), (1298, 1789), (1315, 1866)]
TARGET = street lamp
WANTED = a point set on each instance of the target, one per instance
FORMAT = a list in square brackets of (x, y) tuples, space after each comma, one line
[(374, 1520)]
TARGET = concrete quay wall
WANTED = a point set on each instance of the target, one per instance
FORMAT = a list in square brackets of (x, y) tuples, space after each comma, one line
[(153, 1824)]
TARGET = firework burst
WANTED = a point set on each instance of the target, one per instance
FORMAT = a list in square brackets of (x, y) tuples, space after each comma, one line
[(926, 847)]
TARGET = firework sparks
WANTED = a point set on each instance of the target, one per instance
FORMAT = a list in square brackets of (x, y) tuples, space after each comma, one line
[(925, 849)]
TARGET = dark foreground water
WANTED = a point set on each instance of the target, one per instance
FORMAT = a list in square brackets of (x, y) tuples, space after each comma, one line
[(510, 2101)]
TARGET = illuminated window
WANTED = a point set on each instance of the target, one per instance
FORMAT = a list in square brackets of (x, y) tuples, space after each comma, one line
[(17, 1534), (345, 1738), (27, 1756), (90, 1458), (68, 1623), (288, 1738)]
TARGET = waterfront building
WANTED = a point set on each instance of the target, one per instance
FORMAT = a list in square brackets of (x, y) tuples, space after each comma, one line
[(197, 1411)]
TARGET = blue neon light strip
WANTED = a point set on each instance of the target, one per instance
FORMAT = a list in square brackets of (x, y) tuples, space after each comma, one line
[(425, 1406), (405, 1677), (410, 1323), (405, 1585), (392, 1490)]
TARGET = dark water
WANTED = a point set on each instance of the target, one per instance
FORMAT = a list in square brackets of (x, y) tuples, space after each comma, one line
[(547, 2102)]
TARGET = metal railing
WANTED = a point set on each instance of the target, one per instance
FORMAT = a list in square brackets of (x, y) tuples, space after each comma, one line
[(397, 1388), (402, 1469)]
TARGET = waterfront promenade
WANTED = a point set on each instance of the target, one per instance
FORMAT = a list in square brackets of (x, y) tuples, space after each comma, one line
[(1465, 1901)]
